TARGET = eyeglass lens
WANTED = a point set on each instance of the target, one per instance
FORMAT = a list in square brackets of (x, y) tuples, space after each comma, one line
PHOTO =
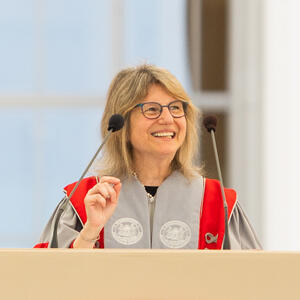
[(153, 109)]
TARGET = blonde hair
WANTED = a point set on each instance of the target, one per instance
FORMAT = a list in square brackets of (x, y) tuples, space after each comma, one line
[(127, 89)]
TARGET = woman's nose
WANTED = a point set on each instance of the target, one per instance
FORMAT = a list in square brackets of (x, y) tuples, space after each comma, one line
[(166, 116)]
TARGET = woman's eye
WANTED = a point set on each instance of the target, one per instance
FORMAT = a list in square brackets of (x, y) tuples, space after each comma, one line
[(174, 107), (152, 109)]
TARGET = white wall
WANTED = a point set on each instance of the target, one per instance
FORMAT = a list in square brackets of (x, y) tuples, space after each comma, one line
[(281, 123), (265, 79), (245, 151)]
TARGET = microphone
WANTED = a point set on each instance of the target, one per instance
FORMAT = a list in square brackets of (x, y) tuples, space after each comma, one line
[(210, 123), (115, 123)]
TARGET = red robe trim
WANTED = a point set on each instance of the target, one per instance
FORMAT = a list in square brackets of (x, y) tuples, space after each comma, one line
[(212, 224), (41, 245), (212, 219)]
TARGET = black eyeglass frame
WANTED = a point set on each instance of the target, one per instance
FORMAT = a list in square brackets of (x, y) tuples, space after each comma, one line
[(184, 105)]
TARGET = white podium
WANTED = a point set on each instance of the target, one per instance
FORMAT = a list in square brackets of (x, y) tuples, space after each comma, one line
[(148, 274)]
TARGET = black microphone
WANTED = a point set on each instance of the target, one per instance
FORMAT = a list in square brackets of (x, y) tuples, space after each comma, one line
[(115, 123), (210, 123)]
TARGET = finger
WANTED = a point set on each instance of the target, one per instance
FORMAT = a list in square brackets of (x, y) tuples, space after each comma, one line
[(99, 188), (94, 200), (103, 179), (107, 190), (93, 190), (117, 188), (104, 190), (109, 179), (112, 192), (101, 200)]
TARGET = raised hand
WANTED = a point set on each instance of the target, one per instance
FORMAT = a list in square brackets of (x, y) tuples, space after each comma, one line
[(100, 203)]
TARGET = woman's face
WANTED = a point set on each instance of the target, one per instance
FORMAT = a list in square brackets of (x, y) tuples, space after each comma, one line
[(160, 137)]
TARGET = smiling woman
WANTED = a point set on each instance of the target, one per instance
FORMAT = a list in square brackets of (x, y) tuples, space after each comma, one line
[(148, 193)]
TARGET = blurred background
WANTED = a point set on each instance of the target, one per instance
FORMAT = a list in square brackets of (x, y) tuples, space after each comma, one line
[(237, 59)]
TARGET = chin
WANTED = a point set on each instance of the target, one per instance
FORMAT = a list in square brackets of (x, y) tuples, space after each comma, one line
[(166, 152)]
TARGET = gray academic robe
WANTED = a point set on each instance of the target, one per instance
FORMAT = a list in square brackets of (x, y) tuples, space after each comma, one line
[(176, 218)]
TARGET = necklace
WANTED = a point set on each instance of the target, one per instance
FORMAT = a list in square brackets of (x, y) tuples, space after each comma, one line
[(150, 197)]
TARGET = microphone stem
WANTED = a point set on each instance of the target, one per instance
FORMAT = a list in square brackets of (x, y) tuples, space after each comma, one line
[(90, 163), (226, 241), (54, 241)]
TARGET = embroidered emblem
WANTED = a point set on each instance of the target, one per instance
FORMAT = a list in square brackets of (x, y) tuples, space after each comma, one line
[(210, 238), (175, 234), (127, 231)]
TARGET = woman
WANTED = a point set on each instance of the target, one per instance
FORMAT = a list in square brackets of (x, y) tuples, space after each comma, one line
[(148, 193)]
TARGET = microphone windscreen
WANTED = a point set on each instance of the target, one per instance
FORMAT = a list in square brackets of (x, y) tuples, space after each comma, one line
[(210, 123), (115, 123)]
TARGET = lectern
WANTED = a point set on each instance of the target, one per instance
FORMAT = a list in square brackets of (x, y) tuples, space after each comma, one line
[(148, 274)]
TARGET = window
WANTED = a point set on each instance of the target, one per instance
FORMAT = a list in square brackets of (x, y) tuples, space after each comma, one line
[(57, 59)]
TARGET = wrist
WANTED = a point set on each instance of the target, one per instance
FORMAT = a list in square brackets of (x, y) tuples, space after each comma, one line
[(90, 230), (81, 242), (92, 240), (86, 238)]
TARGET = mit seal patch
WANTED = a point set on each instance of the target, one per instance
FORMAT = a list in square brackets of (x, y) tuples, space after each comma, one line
[(175, 234), (127, 231)]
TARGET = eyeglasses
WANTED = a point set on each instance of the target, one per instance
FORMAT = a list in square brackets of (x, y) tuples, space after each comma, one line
[(152, 110)]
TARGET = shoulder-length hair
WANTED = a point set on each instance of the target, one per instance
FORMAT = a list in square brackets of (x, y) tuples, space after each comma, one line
[(128, 88)]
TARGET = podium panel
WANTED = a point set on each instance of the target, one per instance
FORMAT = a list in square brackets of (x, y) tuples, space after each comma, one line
[(148, 274)]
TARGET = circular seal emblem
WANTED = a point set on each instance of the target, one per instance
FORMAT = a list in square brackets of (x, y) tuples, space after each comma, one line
[(127, 231), (175, 234)]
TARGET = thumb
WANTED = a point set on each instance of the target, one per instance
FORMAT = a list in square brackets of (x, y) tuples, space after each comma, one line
[(117, 188)]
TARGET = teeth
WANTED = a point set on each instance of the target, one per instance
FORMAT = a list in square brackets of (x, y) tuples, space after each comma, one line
[(170, 134)]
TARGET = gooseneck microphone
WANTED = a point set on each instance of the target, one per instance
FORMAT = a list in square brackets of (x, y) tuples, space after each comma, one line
[(210, 123), (115, 123)]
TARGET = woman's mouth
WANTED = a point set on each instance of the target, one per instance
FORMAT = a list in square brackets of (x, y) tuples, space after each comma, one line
[(167, 134)]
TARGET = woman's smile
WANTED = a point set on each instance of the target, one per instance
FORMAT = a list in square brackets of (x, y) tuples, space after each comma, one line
[(164, 134)]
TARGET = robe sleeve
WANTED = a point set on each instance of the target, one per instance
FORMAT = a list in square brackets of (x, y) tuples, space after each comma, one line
[(68, 229), (241, 233)]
